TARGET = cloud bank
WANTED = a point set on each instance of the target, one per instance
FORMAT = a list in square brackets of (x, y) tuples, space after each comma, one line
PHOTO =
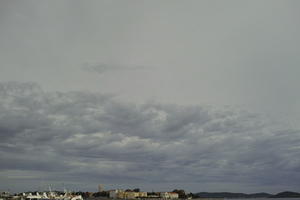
[(103, 68), (87, 138)]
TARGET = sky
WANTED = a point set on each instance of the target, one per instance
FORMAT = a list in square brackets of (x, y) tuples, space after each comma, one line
[(198, 95)]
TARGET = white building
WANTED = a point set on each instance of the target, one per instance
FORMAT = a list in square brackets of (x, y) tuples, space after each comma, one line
[(168, 195), (115, 193), (173, 195), (100, 188)]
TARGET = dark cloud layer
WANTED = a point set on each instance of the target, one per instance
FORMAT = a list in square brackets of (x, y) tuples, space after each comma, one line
[(87, 138)]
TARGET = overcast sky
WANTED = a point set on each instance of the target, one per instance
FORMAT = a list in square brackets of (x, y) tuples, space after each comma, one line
[(200, 95)]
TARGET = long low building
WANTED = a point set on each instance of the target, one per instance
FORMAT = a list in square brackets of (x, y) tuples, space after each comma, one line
[(121, 194), (168, 195)]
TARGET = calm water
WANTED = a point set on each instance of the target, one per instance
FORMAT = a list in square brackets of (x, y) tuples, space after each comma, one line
[(265, 199), (249, 198)]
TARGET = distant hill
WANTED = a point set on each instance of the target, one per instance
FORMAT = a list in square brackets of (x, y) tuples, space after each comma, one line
[(260, 195), (231, 195), (286, 194)]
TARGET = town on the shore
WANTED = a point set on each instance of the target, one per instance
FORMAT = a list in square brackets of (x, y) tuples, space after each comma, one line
[(136, 194), (100, 194)]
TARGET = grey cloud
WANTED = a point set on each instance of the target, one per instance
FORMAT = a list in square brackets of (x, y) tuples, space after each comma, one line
[(205, 52), (89, 137), (32, 164), (103, 68)]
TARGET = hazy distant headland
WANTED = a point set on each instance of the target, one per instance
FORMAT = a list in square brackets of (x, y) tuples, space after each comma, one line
[(286, 194)]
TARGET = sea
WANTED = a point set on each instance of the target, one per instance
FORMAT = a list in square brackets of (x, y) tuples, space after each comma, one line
[(247, 199)]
